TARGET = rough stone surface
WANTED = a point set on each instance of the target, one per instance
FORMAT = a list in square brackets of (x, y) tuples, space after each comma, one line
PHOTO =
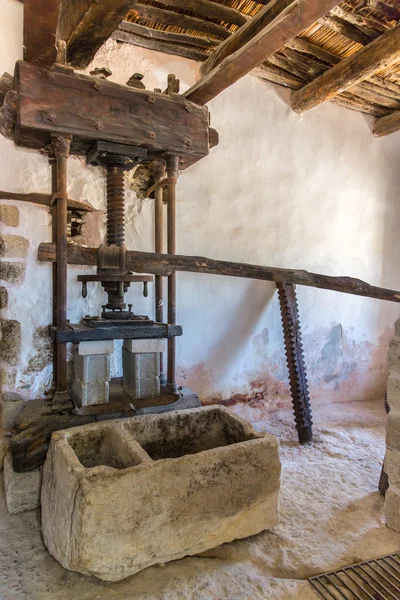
[(11, 406), (3, 297), (118, 497), (11, 271), (91, 369), (22, 490), (8, 377), (42, 351), (4, 446), (99, 347), (10, 344), (13, 246), (141, 388), (86, 394), (159, 345), (9, 215), (141, 365), (392, 457)]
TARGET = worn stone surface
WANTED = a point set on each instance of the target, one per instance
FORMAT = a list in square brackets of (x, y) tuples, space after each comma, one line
[(392, 457), (3, 297), (13, 246), (42, 351), (91, 369), (9, 215), (86, 394), (12, 272), (11, 406), (99, 347), (22, 490), (120, 496), (141, 388), (159, 345), (4, 446), (141, 365), (8, 377), (10, 344)]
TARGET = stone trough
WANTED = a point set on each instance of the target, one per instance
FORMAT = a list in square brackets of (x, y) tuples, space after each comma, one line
[(119, 496)]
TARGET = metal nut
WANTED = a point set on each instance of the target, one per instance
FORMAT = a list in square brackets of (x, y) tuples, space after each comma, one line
[(97, 87), (188, 108), (151, 99), (188, 143), (151, 135), (99, 125), (50, 117)]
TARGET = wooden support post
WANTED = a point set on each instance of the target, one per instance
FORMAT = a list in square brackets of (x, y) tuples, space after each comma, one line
[(61, 149), (295, 361), (159, 173), (172, 173)]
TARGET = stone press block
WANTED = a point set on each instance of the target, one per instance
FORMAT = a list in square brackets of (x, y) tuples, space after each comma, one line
[(92, 368), (119, 496), (22, 490), (145, 346), (86, 394), (141, 365), (141, 388)]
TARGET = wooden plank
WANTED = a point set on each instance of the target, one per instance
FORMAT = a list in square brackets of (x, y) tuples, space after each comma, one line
[(40, 30), (289, 23), (167, 36), (388, 124), (45, 199), (166, 264), (210, 10), (85, 26), (76, 334), (152, 14), (278, 75), (158, 46), (378, 55), (56, 101), (351, 32)]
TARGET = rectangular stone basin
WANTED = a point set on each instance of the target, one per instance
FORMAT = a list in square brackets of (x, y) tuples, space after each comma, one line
[(119, 496)]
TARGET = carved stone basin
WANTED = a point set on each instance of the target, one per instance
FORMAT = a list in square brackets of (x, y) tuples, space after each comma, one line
[(119, 496)]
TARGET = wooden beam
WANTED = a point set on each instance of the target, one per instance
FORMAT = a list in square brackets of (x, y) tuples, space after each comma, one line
[(378, 55), (168, 17), (40, 30), (158, 45), (289, 23), (388, 124), (85, 26), (348, 30), (166, 264), (45, 199), (167, 36), (210, 10)]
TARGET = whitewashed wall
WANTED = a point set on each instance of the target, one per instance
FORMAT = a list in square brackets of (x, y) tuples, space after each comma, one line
[(315, 191)]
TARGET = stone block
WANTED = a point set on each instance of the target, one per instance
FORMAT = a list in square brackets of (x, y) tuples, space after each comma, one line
[(120, 496), (12, 272), (22, 490), (393, 430), (11, 406), (3, 298), (4, 446), (392, 467), (141, 388), (42, 350), (92, 369), (9, 215), (13, 246), (141, 365), (394, 354), (392, 508), (10, 344), (99, 347), (146, 345), (86, 394), (393, 391), (8, 377)]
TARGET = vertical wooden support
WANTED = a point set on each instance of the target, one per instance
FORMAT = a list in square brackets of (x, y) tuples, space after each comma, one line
[(295, 360), (61, 149), (159, 173), (172, 172)]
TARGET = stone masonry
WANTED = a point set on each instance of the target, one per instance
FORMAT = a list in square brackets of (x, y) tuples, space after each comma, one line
[(392, 458), (92, 372), (141, 367)]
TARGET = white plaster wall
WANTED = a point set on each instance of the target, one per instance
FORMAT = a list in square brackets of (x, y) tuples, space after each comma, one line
[(315, 191)]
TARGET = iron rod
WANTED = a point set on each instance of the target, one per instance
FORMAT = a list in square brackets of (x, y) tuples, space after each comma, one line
[(159, 174), (345, 584), (172, 172)]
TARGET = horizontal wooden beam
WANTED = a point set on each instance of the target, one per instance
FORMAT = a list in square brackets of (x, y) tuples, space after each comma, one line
[(166, 264), (388, 124), (167, 36), (45, 200), (168, 17), (378, 55), (210, 10), (289, 23), (158, 45)]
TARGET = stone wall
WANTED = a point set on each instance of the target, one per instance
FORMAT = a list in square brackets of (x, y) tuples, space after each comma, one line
[(313, 191)]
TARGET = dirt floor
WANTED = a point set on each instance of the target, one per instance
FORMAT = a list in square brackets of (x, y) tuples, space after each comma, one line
[(330, 516)]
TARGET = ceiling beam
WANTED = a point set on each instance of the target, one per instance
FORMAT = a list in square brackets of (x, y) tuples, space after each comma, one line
[(289, 23), (40, 30), (160, 45), (167, 36), (386, 125), (379, 54), (210, 10)]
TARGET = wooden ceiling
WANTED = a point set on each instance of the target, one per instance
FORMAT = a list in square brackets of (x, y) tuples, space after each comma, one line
[(347, 52)]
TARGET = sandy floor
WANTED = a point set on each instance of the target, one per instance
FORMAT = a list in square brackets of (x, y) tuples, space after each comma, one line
[(331, 515)]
